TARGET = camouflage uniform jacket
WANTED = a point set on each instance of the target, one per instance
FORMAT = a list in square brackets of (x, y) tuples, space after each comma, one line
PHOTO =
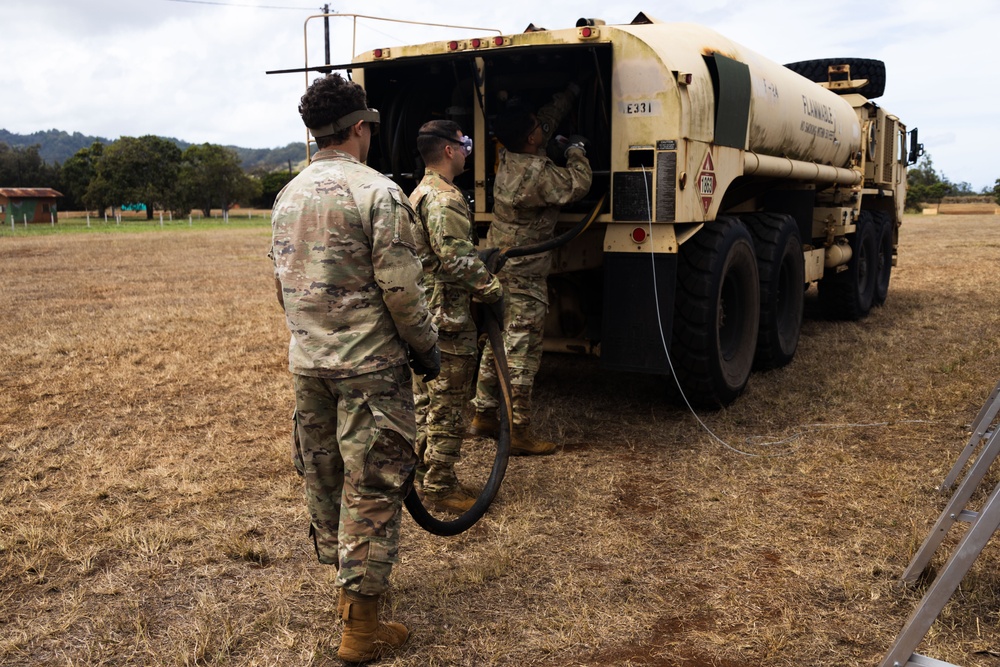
[(527, 195), (345, 259), (450, 254)]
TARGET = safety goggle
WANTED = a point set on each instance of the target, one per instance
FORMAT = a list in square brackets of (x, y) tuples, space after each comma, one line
[(538, 124), (465, 143)]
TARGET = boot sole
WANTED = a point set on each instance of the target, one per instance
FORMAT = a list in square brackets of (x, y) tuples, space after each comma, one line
[(379, 651), (526, 452)]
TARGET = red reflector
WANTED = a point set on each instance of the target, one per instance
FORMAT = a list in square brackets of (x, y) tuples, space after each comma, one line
[(638, 234), (498, 41), (377, 53), (453, 45), (476, 43), (586, 32)]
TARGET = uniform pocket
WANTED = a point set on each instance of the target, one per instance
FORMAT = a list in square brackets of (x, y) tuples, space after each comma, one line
[(389, 460)]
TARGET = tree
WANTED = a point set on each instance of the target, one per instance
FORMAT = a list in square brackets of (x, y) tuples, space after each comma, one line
[(996, 190), (271, 184), (24, 168), (79, 171), (924, 185), (211, 177), (140, 170)]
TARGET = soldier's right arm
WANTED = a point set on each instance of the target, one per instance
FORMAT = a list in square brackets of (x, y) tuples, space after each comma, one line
[(553, 185), (397, 268), (553, 113)]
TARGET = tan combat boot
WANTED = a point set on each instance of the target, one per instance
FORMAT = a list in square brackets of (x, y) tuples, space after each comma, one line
[(443, 491), (365, 637), (485, 424), (524, 443), (456, 499)]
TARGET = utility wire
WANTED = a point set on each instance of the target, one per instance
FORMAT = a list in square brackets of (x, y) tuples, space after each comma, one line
[(242, 4)]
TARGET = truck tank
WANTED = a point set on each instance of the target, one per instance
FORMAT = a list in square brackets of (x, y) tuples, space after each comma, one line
[(789, 115)]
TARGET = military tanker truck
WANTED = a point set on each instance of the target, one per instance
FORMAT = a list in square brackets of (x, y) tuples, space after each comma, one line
[(731, 183)]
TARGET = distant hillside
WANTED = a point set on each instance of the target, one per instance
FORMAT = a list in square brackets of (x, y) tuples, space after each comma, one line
[(58, 146)]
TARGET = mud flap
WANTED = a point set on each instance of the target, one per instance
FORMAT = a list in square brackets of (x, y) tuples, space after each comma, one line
[(631, 339)]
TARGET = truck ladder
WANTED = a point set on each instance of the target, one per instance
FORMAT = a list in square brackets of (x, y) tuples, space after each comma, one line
[(982, 525)]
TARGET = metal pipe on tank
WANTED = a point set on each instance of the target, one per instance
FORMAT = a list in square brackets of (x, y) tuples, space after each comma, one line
[(782, 167)]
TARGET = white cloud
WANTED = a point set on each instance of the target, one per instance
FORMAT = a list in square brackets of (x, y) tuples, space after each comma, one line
[(196, 71)]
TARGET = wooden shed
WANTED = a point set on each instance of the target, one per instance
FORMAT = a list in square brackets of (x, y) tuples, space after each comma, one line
[(20, 205)]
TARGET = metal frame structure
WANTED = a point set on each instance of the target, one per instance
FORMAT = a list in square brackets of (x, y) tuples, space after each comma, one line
[(982, 525)]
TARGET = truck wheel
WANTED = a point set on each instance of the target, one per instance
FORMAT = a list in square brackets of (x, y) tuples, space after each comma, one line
[(781, 268), (883, 252), (861, 68), (850, 293), (716, 313)]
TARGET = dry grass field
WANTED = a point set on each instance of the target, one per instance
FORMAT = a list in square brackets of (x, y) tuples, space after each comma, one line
[(149, 514)]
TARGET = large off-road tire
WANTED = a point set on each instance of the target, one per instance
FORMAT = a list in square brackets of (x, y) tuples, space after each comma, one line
[(861, 68), (883, 253), (717, 310), (780, 265), (850, 293)]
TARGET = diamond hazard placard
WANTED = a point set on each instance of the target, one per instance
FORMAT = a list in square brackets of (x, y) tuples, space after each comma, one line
[(706, 181)]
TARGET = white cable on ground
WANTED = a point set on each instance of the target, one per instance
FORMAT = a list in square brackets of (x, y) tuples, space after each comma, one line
[(670, 363)]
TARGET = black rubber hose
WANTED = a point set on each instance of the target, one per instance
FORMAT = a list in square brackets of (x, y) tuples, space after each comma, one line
[(462, 523), (555, 241)]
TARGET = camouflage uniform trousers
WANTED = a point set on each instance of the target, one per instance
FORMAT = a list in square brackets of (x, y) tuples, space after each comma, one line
[(352, 445), (524, 324), (441, 409)]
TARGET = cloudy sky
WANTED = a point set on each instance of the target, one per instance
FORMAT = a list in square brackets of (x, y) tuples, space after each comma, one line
[(194, 69)]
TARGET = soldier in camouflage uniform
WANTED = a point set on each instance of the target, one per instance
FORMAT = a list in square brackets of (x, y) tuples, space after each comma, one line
[(528, 193), (347, 275), (453, 272)]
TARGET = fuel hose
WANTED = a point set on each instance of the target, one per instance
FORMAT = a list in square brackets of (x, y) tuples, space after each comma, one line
[(460, 524)]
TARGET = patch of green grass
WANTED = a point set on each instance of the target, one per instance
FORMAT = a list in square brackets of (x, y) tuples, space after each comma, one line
[(75, 222), (129, 225)]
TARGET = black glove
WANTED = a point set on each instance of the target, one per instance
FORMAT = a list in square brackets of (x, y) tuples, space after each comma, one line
[(427, 364), (577, 141), (493, 259), (497, 309)]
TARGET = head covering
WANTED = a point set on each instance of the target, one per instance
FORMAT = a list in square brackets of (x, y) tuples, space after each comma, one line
[(344, 122)]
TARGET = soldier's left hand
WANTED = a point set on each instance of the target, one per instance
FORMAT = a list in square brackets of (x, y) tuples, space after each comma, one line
[(426, 364)]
